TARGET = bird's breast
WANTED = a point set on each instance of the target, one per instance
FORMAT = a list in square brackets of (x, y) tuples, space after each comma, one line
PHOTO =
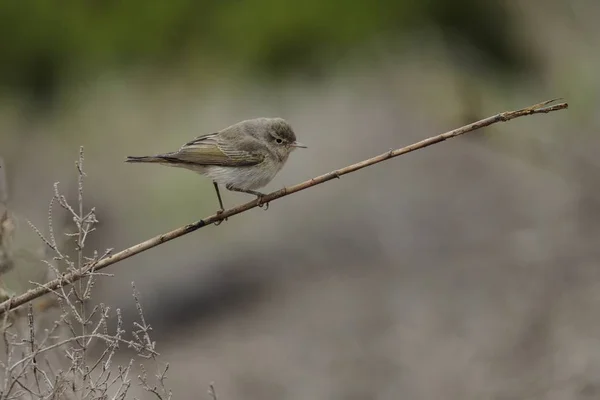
[(252, 177)]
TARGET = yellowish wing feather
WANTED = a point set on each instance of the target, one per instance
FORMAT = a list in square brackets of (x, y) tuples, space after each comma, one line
[(208, 150)]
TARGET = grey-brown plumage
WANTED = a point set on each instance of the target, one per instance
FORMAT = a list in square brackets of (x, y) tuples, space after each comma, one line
[(242, 157)]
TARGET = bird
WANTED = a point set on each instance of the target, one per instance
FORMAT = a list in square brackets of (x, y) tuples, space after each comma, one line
[(242, 157)]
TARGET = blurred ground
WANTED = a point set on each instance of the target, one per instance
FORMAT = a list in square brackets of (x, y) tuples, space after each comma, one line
[(468, 270)]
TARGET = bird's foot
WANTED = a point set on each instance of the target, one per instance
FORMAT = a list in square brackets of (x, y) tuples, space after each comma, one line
[(219, 222), (261, 203)]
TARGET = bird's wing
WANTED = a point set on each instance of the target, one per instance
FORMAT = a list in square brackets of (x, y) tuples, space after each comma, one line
[(209, 138), (213, 149)]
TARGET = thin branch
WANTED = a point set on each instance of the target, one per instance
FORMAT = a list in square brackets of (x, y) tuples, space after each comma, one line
[(76, 275), (212, 392)]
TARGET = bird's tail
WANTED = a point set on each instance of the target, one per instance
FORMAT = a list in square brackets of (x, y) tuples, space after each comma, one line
[(145, 159)]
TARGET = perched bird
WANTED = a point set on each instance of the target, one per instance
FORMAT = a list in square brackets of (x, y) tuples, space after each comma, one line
[(243, 157)]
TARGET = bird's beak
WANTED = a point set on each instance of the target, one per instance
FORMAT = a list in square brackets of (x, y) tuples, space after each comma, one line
[(298, 144)]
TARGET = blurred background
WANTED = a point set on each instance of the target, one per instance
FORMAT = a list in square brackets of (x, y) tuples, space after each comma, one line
[(469, 270)]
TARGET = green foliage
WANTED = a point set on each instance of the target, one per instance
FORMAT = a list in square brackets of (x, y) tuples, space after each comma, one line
[(487, 30), (46, 41), (280, 35)]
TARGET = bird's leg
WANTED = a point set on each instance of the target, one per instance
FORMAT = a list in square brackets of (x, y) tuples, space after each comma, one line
[(259, 195), (219, 196), (220, 203)]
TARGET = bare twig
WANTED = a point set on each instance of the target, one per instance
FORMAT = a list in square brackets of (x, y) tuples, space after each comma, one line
[(76, 275), (30, 344), (212, 392)]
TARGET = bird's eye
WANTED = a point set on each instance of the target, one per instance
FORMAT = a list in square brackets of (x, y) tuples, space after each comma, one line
[(279, 141)]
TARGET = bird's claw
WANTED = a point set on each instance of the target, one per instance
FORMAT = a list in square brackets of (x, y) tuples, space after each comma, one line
[(219, 222), (260, 203)]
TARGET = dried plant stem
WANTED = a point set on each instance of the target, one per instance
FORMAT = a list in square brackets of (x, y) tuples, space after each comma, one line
[(76, 275)]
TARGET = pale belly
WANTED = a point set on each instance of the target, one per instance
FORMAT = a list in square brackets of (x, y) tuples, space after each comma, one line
[(253, 177)]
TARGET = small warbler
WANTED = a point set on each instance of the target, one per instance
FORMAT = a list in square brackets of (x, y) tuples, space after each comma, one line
[(242, 157)]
